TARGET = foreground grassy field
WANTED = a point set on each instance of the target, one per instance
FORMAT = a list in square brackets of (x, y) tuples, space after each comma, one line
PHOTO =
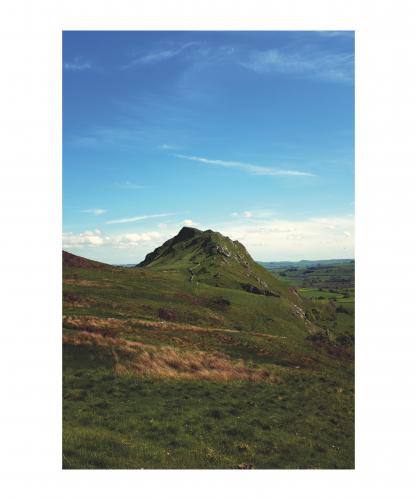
[(113, 421), (161, 372)]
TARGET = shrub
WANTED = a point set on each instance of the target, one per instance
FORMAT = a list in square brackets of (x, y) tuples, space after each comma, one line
[(220, 303), (345, 340), (341, 309), (167, 314)]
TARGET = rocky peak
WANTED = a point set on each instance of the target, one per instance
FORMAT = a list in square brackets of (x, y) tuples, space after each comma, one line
[(188, 232)]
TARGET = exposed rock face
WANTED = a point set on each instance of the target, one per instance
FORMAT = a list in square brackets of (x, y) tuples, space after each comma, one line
[(258, 291), (187, 233), (216, 249)]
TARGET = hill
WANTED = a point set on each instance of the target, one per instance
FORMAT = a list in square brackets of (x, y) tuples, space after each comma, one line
[(211, 258), (71, 260), (200, 358)]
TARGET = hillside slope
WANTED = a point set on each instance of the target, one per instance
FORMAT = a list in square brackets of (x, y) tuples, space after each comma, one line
[(71, 260), (168, 368), (211, 258)]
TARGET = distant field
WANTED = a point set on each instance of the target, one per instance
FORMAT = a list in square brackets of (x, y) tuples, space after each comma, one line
[(321, 280), (321, 294), (323, 283)]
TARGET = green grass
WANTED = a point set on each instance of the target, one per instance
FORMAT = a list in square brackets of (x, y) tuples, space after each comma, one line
[(305, 419), (110, 421)]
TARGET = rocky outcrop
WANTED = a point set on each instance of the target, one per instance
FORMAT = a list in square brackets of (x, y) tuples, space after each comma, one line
[(258, 291)]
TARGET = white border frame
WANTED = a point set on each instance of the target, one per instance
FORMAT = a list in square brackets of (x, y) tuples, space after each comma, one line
[(30, 180)]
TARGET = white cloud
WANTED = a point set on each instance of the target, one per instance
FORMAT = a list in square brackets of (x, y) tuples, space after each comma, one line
[(332, 34), (160, 54), (198, 53), (129, 185), (95, 211), (281, 239), (335, 67), (134, 238), (190, 223), (246, 167), (265, 239), (77, 66), (97, 239), (126, 136), (138, 218), (255, 213), (87, 238), (167, 147)]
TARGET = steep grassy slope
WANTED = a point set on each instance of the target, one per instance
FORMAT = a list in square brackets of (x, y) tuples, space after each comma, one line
[(211, 258), (168, 369)]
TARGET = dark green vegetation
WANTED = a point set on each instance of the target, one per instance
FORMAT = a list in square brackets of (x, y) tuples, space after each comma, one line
[(200, 358)]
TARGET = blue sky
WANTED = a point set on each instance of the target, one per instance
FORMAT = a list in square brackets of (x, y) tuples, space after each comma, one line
[(247, 133)]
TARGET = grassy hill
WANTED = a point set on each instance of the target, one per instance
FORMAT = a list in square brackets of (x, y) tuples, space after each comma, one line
[(201, 358), (211, 258), (71, 260)]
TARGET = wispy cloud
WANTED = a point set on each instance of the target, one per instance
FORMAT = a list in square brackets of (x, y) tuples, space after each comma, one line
[(160, 54), (77, 65), (258, 214), (195, 52), (334, 67), (95, 211), (99, 136), (138, 218), (246, 167), (167, 147), (333, 34), (129, 185)]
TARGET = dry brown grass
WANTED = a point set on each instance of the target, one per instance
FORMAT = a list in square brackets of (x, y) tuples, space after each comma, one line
[(96, 339), (93, 323), (168, 362), (75, 304), (154, 361), (80, 282)]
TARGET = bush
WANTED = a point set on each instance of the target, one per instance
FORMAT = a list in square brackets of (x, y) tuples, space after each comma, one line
[(167, 314), (345, 340), (341, 309), (220, 303)]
